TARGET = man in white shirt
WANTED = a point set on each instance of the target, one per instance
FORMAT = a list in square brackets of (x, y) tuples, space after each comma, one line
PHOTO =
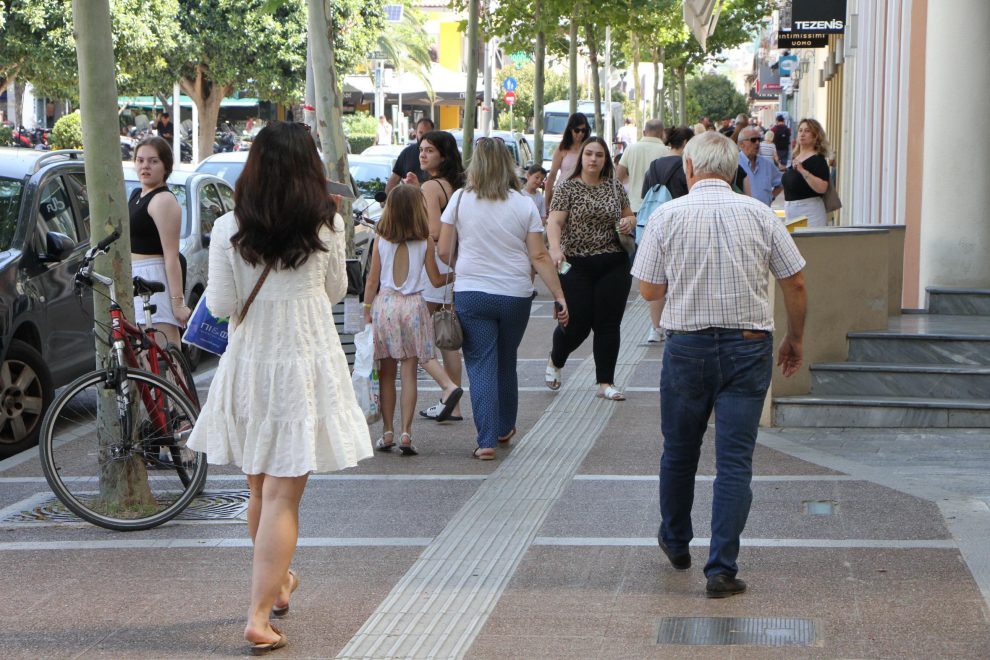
[(384, 131), (711, 254), (627, 135)]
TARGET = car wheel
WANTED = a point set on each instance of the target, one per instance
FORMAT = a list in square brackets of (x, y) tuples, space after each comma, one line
[(25, 394), (193, 354)]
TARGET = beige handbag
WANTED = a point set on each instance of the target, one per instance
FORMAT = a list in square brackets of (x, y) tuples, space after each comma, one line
[(447, 332), (831, 198)]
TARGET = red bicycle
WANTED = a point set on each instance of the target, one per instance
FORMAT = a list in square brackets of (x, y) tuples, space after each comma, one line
[(113, 442)]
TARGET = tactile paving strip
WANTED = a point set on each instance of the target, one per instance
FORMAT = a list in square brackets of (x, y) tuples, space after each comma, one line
[(737, 631), (440, 605), (212, 506)]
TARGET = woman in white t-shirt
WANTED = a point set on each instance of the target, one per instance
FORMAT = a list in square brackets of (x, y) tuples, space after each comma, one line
[(499, 237)]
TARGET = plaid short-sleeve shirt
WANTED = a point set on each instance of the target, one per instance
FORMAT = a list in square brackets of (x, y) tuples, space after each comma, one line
[(715, 251)]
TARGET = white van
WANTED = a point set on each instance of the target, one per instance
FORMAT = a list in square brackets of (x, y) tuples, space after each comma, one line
[(555, 116)]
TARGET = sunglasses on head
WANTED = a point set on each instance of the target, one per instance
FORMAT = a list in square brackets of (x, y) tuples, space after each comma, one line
[(497, 139)]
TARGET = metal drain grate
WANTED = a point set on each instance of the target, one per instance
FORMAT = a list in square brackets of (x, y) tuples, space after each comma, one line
[(737, 631), (820, 507), (212, 506)]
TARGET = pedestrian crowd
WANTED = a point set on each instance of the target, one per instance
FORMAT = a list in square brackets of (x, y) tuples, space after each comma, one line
[(671, 214)]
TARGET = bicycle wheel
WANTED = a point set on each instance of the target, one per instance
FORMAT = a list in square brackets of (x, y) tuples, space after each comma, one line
[(179, 369), (127, 469)]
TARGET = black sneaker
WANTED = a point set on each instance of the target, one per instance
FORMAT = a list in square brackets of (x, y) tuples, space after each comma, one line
[(723, 586), (681, 562)]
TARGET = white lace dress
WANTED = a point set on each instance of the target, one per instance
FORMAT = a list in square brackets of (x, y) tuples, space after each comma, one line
[(281, 401)]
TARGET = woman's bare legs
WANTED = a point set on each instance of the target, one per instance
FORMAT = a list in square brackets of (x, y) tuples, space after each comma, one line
[(273, 522), (409, 391), (386, 382), (437, 373)]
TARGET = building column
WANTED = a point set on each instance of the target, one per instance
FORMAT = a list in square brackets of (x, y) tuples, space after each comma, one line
[(955, 211)]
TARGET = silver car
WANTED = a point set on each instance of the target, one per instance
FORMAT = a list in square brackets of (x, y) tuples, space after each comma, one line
[(203, 198)]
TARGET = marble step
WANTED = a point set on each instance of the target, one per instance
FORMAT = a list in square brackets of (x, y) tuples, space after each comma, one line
[(843, 411), (930, 344), (960, 302), (941, 381)]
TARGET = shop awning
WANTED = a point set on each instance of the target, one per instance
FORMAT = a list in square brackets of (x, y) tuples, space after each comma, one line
[(184, 102)]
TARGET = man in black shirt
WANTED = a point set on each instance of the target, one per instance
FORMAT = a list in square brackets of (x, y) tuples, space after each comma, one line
[(165, 128), (408, 160), (782, 140)]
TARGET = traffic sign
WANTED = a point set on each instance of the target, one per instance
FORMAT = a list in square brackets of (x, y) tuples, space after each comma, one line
[(510, 98), (510, 84)]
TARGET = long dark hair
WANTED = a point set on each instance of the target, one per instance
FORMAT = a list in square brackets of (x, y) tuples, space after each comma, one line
[(577, 120), (281, 199), (451, 167), (608, 169)]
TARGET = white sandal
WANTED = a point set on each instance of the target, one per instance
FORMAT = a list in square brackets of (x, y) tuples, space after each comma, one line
[(552, 376), (611, 393)]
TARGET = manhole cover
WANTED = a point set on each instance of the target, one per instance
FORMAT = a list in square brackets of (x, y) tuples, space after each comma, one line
[(737, 631), (213, 506)]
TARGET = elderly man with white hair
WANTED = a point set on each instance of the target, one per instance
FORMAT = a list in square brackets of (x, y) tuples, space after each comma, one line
[(764, 177), (711, 254)]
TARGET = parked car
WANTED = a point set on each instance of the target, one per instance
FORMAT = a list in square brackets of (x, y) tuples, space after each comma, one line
[(386, 150), (203, 198), (46, 331), (522, 152)]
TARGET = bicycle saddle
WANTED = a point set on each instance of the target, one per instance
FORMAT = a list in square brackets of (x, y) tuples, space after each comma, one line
[(143, 287)]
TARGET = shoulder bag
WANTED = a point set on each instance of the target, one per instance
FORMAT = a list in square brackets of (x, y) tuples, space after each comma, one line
[(447, 332), (831, 198), (626, 241), (206, 331)]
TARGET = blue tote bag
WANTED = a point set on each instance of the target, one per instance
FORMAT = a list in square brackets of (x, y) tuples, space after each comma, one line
[(209, 332)]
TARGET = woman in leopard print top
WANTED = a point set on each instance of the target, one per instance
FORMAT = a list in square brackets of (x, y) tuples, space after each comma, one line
[(585, 213)]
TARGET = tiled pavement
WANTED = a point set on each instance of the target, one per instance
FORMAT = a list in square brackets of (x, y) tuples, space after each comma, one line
[(390, 559)]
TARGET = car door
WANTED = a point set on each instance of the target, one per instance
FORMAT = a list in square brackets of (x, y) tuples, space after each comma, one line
[(67, 338), (209, 207)]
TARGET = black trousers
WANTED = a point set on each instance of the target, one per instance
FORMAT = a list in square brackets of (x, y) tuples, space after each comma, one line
[(596, 289)]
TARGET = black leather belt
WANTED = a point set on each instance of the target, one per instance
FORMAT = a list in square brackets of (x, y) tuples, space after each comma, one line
[(715, 331)]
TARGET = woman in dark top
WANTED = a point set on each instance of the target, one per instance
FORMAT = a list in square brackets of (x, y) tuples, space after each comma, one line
[(807, 177), (669, 171), (155, 223), (586, 213)]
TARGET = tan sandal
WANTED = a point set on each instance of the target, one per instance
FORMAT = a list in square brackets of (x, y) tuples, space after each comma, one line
[(279, 612)]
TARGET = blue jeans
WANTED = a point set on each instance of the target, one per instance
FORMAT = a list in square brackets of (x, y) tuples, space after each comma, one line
[(493, 326), (701, 372)]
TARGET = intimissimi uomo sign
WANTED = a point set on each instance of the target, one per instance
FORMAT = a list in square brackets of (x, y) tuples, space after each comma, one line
[(807, 23)]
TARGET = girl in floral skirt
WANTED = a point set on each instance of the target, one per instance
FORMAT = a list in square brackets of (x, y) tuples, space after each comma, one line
[(401, 323)]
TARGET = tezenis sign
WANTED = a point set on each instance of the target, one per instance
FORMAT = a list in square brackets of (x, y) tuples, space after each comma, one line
[(807, 23)]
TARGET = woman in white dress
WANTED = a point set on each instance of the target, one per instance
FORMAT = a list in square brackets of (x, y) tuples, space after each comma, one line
[(281, 403)]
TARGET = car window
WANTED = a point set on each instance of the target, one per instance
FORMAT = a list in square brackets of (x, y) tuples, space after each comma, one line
[(370, 177), (210, 207), (228, 171), (227, 195), (10, 205), (55, 210), (77, 188), (527, 153)]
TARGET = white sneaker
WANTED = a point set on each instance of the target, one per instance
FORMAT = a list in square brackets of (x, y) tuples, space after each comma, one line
[(655, 336)]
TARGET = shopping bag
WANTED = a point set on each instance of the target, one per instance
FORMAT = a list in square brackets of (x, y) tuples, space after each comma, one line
[(364, 379), (206, 331), (353, 315)]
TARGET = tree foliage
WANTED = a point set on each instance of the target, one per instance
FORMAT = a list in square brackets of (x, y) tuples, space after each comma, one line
[(713, 96), (554, 89), (67, 132)]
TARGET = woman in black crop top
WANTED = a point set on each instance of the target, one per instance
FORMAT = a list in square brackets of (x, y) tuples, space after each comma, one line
[(806, 180), (155, 224)]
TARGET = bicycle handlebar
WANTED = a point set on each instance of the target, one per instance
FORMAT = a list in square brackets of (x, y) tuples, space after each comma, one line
[(105, 243)]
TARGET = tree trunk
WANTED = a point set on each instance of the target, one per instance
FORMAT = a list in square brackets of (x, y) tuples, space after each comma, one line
[(309, 98), (572, 62), (329, 106), (637, 84), (123, 483), (657, 98), (682, 95), (471, 93), (596, 83), (538, 84), (207, 95)]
